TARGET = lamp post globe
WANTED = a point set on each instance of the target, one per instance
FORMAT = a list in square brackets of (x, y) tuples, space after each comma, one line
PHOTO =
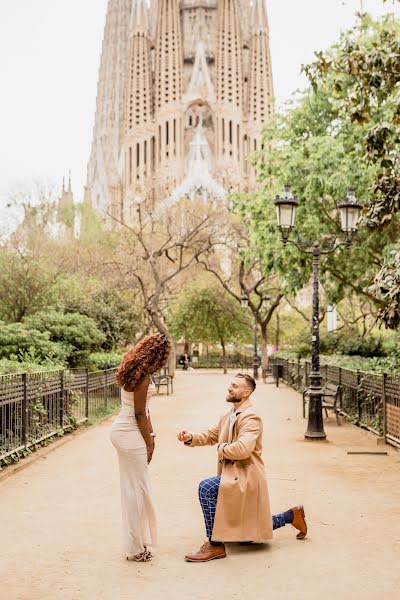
[(286, 205), (350, 211)]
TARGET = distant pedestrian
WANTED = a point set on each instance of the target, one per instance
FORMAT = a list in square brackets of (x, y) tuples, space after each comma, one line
[(195, 359), (186, 361)]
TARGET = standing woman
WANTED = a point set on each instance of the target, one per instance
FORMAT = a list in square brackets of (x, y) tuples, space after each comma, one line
[(133, 437)]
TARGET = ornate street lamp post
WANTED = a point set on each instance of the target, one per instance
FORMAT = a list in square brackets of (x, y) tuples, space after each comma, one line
[(350, 210), (245, 303), (256, 359)]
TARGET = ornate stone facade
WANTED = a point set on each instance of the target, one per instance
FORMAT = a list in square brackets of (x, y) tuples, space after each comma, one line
[(184, 88)]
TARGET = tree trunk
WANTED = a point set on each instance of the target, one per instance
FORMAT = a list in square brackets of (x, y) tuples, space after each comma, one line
[(161, 327), (278, 331), (264, 353), (224, 356)]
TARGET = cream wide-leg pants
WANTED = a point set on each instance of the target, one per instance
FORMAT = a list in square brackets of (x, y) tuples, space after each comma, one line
[(139, 522)]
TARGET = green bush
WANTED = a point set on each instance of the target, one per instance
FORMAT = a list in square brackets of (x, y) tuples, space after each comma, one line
[(351, 343), (78, 334), (302, 350), (357, 346), (19, 341), (8, 366), (391, 346), (116, 314), (105, 360)]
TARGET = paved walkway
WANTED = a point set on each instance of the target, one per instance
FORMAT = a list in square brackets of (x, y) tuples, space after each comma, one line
[(59, 518)]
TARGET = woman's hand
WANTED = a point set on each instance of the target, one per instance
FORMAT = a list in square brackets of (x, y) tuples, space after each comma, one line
[(150, 450)]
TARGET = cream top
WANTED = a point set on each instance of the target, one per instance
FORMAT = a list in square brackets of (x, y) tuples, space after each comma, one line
[(126, 420)]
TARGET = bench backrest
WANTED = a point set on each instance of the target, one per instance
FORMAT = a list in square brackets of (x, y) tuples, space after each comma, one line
[(332, 387)]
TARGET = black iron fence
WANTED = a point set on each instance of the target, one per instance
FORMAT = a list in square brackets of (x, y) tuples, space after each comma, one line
[(367, 399), (36, 406)]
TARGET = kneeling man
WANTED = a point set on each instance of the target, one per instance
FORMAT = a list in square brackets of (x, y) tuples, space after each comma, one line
[(235, 503)]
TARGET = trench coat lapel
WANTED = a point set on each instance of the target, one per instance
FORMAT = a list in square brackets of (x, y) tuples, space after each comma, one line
[(241, 408)]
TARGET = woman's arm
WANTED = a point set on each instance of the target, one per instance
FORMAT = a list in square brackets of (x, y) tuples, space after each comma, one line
[(139, 399)]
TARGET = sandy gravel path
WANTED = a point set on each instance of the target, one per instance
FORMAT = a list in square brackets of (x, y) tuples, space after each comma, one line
[(59, 518)]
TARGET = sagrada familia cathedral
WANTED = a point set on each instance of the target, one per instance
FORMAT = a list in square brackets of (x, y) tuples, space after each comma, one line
[(184, 89)]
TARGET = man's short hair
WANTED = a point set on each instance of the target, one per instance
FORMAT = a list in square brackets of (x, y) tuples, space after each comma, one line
[(249, 380)]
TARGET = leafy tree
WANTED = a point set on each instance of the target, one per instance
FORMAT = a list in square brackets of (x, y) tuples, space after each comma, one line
[(317, 148), (363, 72), (163, 243), (78, 334), (248, 276), (386, 286), (27, 284), (23, 343), (116, 314), (206, 313)]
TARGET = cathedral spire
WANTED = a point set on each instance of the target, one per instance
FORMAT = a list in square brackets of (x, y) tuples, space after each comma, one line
[(259, 20), (229, 54), (168, 91), (168, 54), (139, 98), (139, 105), (139, 17), (260, 97), (229, 77)]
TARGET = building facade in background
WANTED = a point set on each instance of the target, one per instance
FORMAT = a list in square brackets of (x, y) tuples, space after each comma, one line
[(184, 88)]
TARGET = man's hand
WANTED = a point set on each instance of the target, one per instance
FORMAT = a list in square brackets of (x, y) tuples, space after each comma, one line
[(185, 436)]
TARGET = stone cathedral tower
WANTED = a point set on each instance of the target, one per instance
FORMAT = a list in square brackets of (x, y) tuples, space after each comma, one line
[(184, 88)]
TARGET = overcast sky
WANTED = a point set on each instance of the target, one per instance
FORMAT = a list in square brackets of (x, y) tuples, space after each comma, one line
[(49, 62)]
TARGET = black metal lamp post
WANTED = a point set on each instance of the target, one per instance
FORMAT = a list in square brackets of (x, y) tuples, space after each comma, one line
[(245, 303), (350, 210)]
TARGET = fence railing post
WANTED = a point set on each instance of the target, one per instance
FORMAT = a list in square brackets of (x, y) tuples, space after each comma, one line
[(105, 388), (359, 403), (384, 416), (306, 372), (87, 394), (24, 409), (340, 389), (62, 391)]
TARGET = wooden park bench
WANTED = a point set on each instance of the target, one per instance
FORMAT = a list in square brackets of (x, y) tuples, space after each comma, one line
[(163, 378), (330, 396)]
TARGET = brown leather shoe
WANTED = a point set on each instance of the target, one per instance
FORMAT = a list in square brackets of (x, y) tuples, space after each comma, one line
[(299, 521), (207, 552)]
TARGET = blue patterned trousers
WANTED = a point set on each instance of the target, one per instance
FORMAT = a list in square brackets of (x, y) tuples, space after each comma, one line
[(208, 494)]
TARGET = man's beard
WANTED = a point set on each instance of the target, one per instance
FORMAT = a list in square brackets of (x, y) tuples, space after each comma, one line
[(232, 399)]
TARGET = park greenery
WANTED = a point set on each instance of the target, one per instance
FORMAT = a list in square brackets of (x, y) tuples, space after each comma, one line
[(207, 312), (76, 292)]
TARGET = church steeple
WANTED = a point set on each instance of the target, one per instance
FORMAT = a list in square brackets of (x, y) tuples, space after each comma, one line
[(139, 17), (260, 98), (168, 75), (229, 55), (229, 78), (168, 91), (139, 141), (66, 206)]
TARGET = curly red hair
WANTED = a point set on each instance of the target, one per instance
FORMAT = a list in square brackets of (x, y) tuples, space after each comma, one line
[(147, 357)]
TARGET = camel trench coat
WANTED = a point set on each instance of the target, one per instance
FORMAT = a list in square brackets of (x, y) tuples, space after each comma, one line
[(243, 511)]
